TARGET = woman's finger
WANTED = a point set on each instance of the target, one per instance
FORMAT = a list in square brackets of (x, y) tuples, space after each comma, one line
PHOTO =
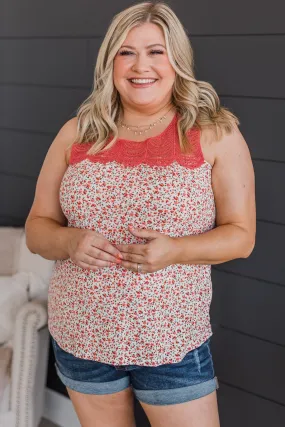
[(133, 266), (134, 248), (98, 253), (88, 266), (89, 260), (106, 246), (127, 256)]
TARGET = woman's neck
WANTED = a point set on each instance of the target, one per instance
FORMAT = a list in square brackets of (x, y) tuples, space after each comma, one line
[(135, 117), (145, 120)]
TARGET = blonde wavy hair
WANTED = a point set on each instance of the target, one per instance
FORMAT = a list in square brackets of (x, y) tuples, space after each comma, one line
[(196, 101)]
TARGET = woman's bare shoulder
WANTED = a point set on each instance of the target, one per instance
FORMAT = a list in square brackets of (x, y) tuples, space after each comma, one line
[(66, 136), (208, 140), (46, 201), (211, 144)]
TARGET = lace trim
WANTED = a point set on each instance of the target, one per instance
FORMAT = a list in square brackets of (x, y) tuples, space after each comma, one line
[(161, 150)]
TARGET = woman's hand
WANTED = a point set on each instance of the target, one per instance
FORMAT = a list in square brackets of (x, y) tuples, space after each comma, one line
[(154, 255), (89, 249)]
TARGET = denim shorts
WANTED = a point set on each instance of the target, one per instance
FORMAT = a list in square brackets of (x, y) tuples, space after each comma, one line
[(191, 378)]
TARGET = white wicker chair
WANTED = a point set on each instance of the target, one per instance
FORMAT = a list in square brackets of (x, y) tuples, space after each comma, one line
[(22, 402)]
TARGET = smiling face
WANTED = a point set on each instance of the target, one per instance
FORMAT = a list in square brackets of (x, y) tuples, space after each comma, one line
[(143, 74)]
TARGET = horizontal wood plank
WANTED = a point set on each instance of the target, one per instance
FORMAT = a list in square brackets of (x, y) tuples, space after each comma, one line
[(16, 195), (240, 409), (267, 259), (41, 61), (249, 363), (250, 306), (32, 18), (269, 202), (245, 69), (37, 108), (23, 153)]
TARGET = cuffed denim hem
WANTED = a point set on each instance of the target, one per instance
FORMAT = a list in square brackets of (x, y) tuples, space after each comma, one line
[(92, 387), (177, 395)]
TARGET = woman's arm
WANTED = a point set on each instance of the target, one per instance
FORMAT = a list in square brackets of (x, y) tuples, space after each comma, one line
[(45, 227), (233, 187)]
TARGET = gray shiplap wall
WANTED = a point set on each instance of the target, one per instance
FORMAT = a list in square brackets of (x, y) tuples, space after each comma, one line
[(48, 51)]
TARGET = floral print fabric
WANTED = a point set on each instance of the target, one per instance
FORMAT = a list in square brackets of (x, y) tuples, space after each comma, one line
[(114, 315)]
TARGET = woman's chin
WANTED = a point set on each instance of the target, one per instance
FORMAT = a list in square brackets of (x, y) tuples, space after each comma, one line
[(141, 101)]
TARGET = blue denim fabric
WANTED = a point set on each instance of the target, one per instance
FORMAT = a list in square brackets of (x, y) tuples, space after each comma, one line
[(191, 378)]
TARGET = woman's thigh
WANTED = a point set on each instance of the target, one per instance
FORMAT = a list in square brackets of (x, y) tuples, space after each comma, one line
[(100, 394), (202, 412), (179, 394), (112, 410)]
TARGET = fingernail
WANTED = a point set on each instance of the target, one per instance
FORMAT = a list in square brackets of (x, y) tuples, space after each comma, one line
[(120, 256)]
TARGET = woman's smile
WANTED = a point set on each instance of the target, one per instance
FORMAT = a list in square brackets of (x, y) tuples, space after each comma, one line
[(138, 83)]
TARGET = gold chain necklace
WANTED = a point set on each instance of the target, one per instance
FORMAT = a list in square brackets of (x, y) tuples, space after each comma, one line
[(137, 131)]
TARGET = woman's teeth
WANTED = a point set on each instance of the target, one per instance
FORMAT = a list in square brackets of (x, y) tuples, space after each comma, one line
[(142, 81)]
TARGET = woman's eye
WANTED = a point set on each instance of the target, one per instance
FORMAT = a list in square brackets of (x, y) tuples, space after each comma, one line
[(126, 52), (129, 52)]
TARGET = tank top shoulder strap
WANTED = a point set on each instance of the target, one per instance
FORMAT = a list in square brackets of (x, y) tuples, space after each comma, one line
[(194, 136), (195, 157)]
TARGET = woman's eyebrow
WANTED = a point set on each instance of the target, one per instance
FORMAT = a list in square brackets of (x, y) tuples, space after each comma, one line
[(151, 45)]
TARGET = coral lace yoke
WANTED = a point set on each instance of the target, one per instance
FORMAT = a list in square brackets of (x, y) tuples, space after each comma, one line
[(160, 150)]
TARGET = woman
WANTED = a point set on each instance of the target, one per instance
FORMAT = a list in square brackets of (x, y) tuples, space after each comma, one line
[(138, 195)]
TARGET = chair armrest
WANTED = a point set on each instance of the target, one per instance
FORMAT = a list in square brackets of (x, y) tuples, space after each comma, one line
[(30, 349)]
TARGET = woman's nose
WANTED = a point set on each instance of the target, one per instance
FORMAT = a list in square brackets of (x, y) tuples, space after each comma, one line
[(141, 64)]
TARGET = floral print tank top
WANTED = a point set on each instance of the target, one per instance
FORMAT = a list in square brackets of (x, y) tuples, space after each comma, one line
[(114, 315)]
